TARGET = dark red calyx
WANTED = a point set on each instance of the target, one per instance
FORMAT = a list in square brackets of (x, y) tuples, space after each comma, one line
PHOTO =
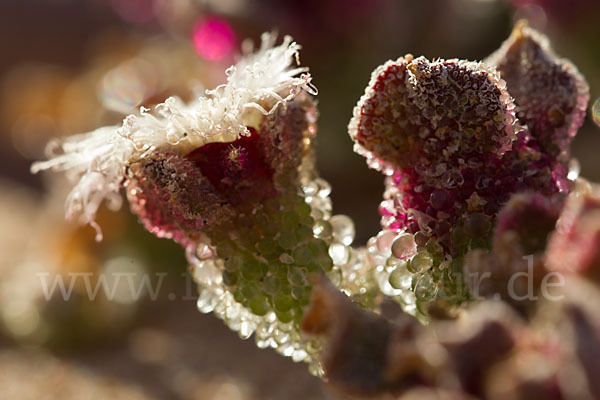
[(238, 170)]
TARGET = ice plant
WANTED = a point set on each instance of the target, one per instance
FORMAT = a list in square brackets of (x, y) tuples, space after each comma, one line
[(455, 139), (476, 158), (230, 176), (99, 159), (502, 347), (488, 352)]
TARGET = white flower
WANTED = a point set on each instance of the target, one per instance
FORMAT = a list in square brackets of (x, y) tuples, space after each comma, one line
[(97, 160)]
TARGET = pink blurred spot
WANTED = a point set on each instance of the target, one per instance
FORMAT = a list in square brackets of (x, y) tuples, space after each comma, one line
[(213, 38)]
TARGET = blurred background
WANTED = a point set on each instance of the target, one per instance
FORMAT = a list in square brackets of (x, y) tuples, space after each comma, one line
[(69, 66)]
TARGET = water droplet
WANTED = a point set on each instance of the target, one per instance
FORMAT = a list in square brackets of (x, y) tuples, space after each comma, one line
[(324, 187), (315, 369), (404, 246), (426, 288), (384, 241), (271, 285), (322, 230), (596, 111), (246, 329), (299, 355), (296, 277), (310, 189), (343, 229), (302, 255), (400, 278), (335, 276), (574, 169), (204, 252), (339, 254), (421, 262)]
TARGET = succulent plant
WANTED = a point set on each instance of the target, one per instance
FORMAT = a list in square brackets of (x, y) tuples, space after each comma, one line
[(455, 139), (478, 182)]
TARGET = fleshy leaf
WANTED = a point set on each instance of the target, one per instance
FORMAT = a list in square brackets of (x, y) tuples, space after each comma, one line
[(432, 115), (172, 198), (526, 221), (550, 94)]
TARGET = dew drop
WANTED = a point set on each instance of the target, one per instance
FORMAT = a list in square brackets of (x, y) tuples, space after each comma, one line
[(339, 254), (596, 111), (421, 262), (343, 229), (324, 187), (400, 278), (322, 230), (404, 246), (310, 189), (426, 289), (384, 241), (574, 169)]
